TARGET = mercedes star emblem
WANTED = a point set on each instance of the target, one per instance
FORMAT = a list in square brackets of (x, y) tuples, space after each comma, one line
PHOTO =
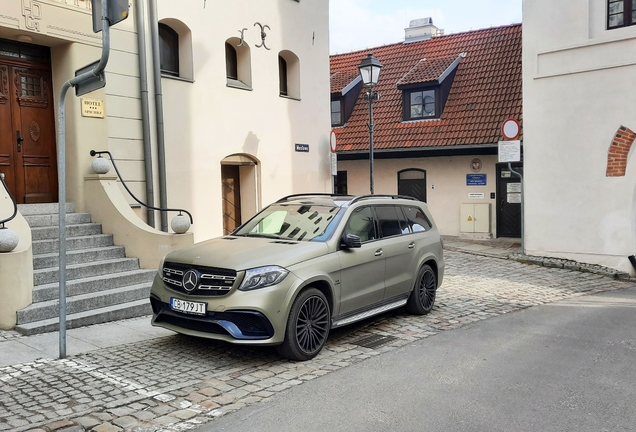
[(190, 280)]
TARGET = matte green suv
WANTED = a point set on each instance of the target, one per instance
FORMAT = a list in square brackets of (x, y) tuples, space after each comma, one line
[(302, 266)]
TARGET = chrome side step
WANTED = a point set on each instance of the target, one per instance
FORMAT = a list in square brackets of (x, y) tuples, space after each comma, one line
[(369, 313)]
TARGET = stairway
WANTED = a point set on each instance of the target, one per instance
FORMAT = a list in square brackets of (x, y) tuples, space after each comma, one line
[(101, 283)]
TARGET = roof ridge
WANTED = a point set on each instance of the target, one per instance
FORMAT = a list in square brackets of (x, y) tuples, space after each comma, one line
[(449, 35)]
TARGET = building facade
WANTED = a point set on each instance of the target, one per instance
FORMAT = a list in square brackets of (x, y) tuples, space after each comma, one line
[(443, 100), (241, 83), (216, 107), (579, 177)]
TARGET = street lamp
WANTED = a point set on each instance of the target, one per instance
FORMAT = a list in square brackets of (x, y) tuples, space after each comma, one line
[(370, 73)]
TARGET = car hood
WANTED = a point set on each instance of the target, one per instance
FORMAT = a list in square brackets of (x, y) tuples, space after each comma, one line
[(242, 253)]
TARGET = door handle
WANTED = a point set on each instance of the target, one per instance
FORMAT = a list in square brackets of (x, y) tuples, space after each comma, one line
[(411, 245), (20, 140), (379, 252)]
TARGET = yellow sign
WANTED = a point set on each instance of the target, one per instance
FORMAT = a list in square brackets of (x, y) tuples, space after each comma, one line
[(92, 108)]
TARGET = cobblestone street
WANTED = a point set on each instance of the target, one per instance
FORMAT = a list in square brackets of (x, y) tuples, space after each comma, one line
[(178, 382)]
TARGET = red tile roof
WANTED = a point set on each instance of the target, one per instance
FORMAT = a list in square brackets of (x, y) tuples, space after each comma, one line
[(426, 70), (341, 79), (486, 91)]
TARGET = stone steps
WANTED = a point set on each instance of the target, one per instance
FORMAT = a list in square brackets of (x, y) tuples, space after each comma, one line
[(42, 261), (96, 316), (102, 284), (50, 291)]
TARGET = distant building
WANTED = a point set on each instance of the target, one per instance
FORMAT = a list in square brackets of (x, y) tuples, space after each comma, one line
[(579, 72), (438, 122)]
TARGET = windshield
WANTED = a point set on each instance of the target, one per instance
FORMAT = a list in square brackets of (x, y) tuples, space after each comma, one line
[(298, 222)]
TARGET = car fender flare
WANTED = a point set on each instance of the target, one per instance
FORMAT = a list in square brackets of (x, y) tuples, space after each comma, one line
[(322, 279)]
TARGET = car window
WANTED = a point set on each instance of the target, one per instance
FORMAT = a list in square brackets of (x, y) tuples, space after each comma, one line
[(404, 224), (290, 222), (361, 223), (388, 221), (417, 219)]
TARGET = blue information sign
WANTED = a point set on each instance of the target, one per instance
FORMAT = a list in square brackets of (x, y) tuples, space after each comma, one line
[(302, 148), (475, 179)]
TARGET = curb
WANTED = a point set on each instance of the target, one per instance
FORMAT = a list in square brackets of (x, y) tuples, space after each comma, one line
[(553, 263)]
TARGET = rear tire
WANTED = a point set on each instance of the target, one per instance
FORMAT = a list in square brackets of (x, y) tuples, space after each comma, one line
[(308, 326), (422, 297)]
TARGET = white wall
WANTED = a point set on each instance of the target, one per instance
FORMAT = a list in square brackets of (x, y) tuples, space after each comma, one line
[(207, 121), (579, 87)]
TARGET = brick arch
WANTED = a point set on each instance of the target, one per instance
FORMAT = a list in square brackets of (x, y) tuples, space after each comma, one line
[(618, 151)]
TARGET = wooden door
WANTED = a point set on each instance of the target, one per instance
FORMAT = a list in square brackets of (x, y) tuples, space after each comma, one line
[(412, 182), (231, 198), (27, 131)]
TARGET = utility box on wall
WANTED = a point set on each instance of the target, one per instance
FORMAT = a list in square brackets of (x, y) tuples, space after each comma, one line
[(475, 218)]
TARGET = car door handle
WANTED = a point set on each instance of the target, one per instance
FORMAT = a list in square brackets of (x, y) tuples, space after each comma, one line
[(379, 252), (411, 245)]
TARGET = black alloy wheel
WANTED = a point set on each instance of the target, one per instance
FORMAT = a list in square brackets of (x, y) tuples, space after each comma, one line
[(422, 297), (307, 326)]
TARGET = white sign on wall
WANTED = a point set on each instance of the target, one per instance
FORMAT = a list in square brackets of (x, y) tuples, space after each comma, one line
[(334, 164), (476, 195), (510, 151)]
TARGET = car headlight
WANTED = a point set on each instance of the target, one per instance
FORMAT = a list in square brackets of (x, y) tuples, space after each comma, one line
[(263, 277)]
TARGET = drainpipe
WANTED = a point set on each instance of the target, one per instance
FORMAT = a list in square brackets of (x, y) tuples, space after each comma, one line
[(145, 112), (161, 147)]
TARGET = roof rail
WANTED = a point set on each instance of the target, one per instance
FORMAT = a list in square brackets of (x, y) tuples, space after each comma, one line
[(363, 197), (289, 197)]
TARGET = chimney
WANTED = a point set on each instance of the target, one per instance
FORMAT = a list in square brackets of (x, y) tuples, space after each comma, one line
[(421, 29)]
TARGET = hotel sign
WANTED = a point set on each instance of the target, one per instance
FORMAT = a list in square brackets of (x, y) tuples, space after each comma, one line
[(92, 108)]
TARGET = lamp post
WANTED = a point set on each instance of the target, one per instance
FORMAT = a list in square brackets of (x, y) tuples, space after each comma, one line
[(370, 73)]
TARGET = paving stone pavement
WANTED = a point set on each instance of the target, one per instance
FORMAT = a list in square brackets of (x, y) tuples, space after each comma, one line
[(178, 382)]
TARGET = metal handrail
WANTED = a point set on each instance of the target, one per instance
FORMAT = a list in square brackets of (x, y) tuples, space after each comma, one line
[(100, 152), (15, 205)]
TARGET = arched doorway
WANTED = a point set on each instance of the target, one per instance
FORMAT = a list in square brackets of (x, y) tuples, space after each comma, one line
[(240, 197), (412, 182)]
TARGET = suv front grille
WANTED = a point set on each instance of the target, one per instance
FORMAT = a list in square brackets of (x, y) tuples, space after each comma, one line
[(210, 281)]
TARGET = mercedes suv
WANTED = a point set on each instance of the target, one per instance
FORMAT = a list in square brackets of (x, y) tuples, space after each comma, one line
[(302, 266)]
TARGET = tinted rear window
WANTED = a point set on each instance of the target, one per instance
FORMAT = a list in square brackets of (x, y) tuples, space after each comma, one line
[(417, 219), (389, 221)]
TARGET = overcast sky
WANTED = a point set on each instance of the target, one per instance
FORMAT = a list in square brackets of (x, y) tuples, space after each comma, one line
[(360, 24)]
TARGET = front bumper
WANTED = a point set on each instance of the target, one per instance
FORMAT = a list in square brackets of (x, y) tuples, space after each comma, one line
[(257, 317), (244, 325)]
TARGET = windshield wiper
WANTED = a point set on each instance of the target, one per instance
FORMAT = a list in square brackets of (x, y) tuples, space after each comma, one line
[(271, 236)]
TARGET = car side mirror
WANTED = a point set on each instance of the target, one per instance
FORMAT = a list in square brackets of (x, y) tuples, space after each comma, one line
[(351, 241)]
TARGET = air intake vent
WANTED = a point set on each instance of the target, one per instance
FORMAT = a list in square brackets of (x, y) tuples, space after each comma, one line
[(228, 238), (284, 242)]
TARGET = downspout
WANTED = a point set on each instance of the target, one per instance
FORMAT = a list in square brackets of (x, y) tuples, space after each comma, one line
[(161, 147), (145, 112)]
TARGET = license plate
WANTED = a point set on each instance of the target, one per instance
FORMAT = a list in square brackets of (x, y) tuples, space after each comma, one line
[(188, 307)]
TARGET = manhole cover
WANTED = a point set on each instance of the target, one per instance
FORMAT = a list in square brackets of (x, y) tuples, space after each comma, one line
[(373, 341)]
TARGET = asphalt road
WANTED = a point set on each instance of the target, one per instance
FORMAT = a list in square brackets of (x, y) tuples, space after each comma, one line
[(566, 366)]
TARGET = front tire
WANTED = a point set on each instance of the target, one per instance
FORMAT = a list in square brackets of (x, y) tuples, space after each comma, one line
[(422, 297), (307, 326)]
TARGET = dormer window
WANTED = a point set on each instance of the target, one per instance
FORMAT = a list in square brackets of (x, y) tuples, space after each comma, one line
[(425, 88), (336, 113), (345, 89), (421, 105)]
